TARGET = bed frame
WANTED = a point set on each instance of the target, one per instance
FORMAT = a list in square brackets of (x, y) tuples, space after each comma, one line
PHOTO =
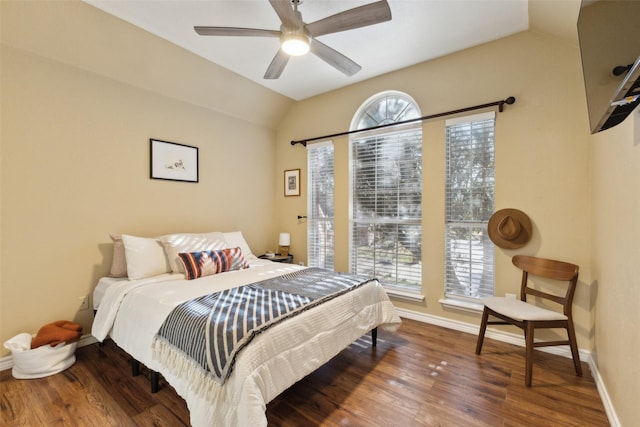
[(155, 376)]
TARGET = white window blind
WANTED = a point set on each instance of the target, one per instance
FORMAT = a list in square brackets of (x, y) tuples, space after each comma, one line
[(470, 184), (386, 204), (320, 238)]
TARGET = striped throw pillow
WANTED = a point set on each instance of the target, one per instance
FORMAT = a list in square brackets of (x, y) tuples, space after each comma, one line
[(206, 263)]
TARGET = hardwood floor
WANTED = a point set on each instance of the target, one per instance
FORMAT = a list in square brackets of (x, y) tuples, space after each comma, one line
[(423, 375)]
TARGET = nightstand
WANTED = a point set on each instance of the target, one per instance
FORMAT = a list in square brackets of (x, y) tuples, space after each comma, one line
[(279, 258)]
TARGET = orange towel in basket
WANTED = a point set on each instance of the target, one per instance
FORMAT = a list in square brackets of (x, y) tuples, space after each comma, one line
[(57, 332)]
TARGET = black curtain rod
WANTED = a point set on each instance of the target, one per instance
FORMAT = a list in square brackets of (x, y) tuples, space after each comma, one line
[(510, 100)]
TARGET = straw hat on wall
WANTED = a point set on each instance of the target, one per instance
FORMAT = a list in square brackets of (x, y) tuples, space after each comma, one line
[(509, 228)]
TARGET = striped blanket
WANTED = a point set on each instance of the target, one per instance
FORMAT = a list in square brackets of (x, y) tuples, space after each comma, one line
[(212, 329)]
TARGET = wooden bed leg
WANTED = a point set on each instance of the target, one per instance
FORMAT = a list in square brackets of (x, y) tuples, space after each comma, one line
[(135, 367), (155, 381), (374, 336)]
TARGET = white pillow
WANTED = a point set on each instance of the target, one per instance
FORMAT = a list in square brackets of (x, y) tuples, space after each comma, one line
[(145, 257), (189, 242), (236, 239), (119, 262)]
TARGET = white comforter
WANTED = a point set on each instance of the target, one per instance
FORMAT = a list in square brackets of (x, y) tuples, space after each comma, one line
[(131, 312)]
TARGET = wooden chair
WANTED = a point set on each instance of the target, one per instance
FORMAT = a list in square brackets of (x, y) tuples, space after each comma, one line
[(528, 316)]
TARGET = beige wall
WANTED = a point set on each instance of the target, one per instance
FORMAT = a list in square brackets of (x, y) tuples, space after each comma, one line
[(616, 262), (79, 103), (542, 156), (75, 157), (80, 35), (544, 160)]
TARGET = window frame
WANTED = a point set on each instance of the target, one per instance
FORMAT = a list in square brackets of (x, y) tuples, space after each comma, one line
[(468, 294), (413, 291), (320, 255)]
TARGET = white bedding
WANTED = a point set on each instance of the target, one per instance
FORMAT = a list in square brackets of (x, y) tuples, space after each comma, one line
[(131, 312), (101, 288)]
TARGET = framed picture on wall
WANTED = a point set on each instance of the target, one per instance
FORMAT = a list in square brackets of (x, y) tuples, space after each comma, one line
[(292, 182), (173, 162)]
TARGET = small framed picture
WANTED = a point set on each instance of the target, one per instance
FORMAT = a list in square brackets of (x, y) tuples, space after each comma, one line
[(173, 162), (292, 182)]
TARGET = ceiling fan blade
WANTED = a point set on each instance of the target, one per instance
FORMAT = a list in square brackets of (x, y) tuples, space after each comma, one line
[(285, 13), (277, 65), (334, 58), (362, 16), (232, 31)]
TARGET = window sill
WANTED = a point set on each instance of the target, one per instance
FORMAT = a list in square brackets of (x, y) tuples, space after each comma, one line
[(461, 305), (405, 295)]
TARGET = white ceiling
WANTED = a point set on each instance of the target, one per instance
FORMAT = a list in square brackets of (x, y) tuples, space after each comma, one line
[(420, 30)]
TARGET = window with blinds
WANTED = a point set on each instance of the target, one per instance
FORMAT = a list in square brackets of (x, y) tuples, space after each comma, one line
[(470, 183), (386, 194), (320, 241)]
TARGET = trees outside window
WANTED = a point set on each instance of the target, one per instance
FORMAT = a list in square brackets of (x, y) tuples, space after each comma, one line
[(320, 237), (469, 192), (386, 192)]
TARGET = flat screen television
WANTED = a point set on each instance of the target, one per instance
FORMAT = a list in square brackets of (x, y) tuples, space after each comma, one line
[(609, 35)]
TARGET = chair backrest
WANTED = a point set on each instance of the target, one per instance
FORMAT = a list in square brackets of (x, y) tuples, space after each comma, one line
[(550, 269)]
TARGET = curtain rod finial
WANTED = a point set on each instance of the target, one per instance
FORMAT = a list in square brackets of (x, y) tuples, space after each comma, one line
[(510, 100)]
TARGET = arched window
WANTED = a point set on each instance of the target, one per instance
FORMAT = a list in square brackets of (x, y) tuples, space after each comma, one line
[(386, 192)]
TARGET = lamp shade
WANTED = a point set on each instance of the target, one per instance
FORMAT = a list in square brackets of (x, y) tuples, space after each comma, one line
[(285, 239)]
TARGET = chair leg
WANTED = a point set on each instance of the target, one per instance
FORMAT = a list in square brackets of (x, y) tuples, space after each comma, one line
[(483, 329), (529, 354), (574, 348)]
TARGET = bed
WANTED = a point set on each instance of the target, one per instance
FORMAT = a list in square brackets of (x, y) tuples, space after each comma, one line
[(132, 311)]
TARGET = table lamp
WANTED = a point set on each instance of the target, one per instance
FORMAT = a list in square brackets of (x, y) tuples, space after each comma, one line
[(284, 242)]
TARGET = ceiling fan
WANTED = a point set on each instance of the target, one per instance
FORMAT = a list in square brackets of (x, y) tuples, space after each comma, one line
[(298, 37)]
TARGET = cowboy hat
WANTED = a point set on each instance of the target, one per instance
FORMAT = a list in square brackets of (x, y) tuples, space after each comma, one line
[(509, 228)]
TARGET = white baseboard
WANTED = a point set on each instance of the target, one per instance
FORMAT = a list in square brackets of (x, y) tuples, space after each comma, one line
[(515, 339), (6, 362), (604, 395)]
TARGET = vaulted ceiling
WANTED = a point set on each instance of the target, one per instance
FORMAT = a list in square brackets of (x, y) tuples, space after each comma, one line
[(419, 30)]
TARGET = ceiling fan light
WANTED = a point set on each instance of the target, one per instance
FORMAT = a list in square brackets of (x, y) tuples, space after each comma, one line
[(295, 44)]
